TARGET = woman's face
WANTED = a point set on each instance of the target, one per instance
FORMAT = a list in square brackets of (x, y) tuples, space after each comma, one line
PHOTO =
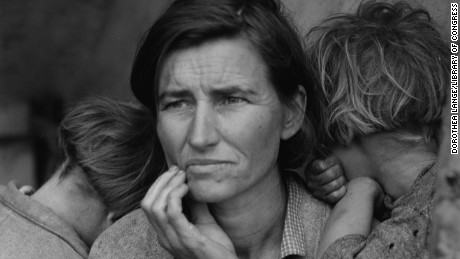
[(219, 118)]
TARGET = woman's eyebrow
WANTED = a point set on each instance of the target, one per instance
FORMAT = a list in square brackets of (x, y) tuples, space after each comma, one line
[(224, 91), (231, 90), (174, 94)]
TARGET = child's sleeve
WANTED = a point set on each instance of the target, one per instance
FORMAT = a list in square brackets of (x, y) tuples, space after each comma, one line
[(345, 247)]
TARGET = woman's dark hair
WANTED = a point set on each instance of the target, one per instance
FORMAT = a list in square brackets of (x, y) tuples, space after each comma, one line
[(109, 147), (189, 23)]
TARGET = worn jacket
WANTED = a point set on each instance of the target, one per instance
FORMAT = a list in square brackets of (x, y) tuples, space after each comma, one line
[(31, 230), (404, 234)]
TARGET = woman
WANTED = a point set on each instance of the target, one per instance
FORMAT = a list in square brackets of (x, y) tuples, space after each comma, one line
[(228, 87), (106, 170)]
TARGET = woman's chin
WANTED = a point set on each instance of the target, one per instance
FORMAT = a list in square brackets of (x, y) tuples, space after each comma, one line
[(206, 194)]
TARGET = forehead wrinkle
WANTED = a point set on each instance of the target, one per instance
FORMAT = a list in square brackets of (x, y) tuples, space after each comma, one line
[(208, 70), (185, 70), (230, 74), (175, 77)]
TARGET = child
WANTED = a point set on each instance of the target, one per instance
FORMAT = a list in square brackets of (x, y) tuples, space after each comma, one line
[(107, 168), (384, 73)]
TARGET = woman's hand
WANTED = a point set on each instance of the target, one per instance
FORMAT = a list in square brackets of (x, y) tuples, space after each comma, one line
[(326, 180), (163, 207)]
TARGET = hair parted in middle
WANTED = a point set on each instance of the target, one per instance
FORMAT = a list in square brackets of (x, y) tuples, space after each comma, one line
[(189, 23), (384, 68), (108, 146)]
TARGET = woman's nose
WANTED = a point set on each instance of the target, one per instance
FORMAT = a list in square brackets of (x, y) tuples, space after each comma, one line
[(203, 129)]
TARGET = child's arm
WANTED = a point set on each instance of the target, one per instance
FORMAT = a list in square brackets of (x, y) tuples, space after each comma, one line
[(353, 214)]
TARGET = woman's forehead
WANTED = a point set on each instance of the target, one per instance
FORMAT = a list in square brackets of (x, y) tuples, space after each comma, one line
[(220, 63)]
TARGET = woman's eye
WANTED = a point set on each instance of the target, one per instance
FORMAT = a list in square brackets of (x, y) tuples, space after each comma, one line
[(175, 105), (233, 100)]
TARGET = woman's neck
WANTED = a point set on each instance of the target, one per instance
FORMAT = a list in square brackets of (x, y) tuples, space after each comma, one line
[(254, 221)]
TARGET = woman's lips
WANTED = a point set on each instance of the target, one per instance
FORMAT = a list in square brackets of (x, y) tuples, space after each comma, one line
[(206, 167)]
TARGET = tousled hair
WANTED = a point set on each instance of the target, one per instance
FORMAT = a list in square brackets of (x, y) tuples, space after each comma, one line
[(189, 23), (108, 146), (384, 68)]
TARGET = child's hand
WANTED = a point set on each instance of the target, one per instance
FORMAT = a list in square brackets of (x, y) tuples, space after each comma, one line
[(326, 179), (24, 189)]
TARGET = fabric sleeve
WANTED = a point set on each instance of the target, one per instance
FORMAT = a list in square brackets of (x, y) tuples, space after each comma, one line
[(345, 247), (396, 238), (131, 237)]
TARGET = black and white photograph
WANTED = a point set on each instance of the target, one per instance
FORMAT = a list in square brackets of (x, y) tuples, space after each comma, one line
[(229, 129)]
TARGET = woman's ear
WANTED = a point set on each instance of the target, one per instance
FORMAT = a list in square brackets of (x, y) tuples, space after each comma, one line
[(294, 115)]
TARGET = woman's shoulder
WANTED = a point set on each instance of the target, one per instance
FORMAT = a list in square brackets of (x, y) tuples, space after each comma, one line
[(306, 216), (130, 237), (302, 197)]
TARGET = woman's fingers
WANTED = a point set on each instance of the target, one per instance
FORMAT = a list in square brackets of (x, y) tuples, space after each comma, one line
[(174, 210), (176, 233), (174, 200), (157, 208), (158, 185), (161, 202), (150, 202), (155, 205)]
